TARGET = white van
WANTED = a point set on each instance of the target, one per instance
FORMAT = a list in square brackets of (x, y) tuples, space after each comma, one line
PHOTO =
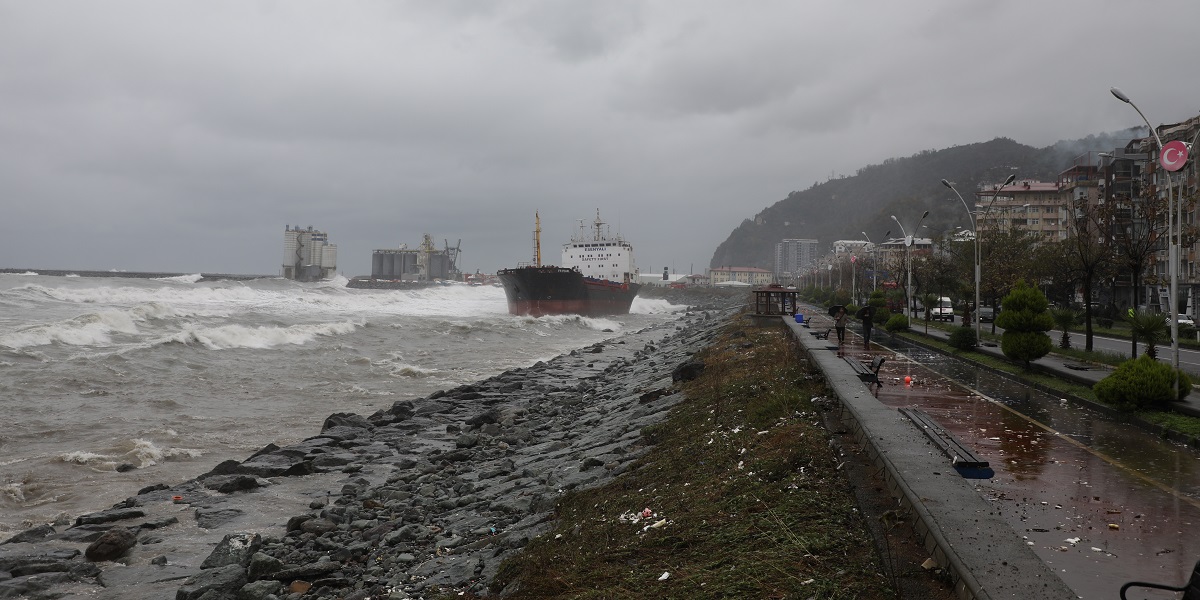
[(943, 310)]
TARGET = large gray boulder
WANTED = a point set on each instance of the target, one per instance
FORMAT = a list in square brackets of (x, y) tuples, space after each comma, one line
[(111, 545)]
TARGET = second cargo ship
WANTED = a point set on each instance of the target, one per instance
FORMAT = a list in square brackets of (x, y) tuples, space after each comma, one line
[(598, 277)]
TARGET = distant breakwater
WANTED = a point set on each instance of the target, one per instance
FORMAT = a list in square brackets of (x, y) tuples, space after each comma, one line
[(133, 274), (431, 493)]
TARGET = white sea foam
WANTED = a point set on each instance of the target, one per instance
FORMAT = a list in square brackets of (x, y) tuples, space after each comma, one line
[(261, 337), (82, 457), (14, 492), (148, 453), (285, 298), (653, 306), (592, 323), (92, 329), (193, 278), (406, 370)]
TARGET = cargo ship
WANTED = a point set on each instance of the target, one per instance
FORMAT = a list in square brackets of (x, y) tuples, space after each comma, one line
[(597, 276)]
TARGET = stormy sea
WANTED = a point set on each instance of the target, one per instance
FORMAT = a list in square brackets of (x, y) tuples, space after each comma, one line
[(110, 384)]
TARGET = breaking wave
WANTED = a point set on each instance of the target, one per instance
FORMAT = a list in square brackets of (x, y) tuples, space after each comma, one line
[(92, 329), (261, 337)]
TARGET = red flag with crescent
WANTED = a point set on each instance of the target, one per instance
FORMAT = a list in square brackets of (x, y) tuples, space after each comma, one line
[(1174, 155)]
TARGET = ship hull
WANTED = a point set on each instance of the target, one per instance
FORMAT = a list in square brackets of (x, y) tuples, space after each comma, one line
[(538, 291)]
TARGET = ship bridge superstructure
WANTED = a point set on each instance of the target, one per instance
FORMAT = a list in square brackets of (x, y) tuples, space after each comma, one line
[(599, 255)]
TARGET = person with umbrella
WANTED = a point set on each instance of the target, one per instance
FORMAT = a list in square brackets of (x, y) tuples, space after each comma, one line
[(866, 313), (840, 318)]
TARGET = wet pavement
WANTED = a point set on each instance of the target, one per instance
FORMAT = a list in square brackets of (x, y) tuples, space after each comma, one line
[(1098, 501)]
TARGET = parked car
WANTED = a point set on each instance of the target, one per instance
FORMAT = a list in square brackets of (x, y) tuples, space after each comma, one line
[(1184, 321), (943, 310), (987, 314)]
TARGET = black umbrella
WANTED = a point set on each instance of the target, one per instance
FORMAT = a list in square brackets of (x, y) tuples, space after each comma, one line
[(833, 310), (865, 312)]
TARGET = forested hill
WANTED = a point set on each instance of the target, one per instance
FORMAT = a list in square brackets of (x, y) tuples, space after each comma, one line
[(845, 207)]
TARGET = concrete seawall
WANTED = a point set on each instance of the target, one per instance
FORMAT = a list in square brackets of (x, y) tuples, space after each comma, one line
[(966, 535)]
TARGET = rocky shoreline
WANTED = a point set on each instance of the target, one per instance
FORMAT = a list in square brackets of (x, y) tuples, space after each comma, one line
[(428, 496)]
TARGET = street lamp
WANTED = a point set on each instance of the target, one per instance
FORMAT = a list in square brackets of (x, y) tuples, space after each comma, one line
[(875, 259), (975, 234), (1172, 237), (908, 241)]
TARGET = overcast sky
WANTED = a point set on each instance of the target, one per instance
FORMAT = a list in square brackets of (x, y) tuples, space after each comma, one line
[(184, 136)]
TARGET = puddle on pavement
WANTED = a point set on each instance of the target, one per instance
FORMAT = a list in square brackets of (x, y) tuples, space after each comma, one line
[(1101, 502)]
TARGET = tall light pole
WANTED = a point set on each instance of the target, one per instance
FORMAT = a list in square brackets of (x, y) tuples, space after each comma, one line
[(908, 241), (853, 278), (875, 259), (975, 234), (1172, 237)]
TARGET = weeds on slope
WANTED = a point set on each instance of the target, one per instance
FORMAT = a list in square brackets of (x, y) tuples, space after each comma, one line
[(739, 497)]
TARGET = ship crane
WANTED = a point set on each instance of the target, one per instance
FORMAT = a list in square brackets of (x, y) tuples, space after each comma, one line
[(452, 257), (427, 250)]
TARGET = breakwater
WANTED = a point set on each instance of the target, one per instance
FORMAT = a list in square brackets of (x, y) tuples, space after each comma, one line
[(133, 275)]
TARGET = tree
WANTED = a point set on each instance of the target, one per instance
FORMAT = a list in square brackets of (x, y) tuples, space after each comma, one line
[(1150, 326), (1006, 256), (937, 274), (1064, 318), (1025, 322), (928, 300), (1088, 255)]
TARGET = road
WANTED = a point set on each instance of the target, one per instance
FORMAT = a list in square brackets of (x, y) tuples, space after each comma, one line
[(1189, 360)]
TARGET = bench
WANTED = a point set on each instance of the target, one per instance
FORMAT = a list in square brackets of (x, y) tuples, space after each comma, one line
[(1191, 591), (822, 335), (868, 373), (1077, 366), (961, 457)]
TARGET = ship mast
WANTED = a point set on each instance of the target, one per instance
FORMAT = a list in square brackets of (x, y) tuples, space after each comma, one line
[(598, 224), (537, 239)]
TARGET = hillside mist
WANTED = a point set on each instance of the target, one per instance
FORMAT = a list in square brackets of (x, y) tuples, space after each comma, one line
[(845, 207)]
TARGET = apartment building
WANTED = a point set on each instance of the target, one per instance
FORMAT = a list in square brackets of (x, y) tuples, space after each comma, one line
[(793, 257), (1036, 206)]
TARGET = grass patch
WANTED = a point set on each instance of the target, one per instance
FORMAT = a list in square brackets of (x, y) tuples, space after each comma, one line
[(1189, 426), (1096, 356), (746, 497), (1006, 366)]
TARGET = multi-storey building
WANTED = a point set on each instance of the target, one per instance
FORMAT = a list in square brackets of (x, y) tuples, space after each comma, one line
[(1035, 206), (1145, 193), (747, 275), (793, 257), (307, 254)]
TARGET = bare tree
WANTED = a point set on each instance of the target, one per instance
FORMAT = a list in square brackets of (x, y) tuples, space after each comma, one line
[(1088, 254)]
